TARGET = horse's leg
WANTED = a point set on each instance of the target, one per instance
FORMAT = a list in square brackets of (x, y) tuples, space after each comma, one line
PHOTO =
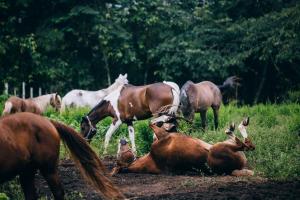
[(203, 118), (144, 164), (113, 127), (216, 116), (53, 181), (131, 137), (242, 172), (27, 183)]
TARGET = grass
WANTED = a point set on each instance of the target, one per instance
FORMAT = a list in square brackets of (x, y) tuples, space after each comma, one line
[(274, 128)]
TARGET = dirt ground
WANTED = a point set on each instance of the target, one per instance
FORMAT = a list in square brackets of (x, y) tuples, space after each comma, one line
[(170, 186)]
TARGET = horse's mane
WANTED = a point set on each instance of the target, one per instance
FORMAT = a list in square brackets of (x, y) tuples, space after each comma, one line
[(97, 106)]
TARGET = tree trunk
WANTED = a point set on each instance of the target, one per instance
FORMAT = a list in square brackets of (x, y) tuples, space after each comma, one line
[(107, 69), (146, 76), (261, 84)]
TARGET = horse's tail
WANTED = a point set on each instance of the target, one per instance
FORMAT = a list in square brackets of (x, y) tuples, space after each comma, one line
[(175, 92), (185, 103), (86, 159), (230, 83), (7, 108)]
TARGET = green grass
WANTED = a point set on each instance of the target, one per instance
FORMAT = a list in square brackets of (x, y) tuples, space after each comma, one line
[(274, 129)]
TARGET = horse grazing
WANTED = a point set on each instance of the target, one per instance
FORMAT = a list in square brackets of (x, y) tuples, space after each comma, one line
[(129, 103), (82, 98), (173, 152), (228, 156), (30, 142), (125, 156), (200, 96), (37, 105)]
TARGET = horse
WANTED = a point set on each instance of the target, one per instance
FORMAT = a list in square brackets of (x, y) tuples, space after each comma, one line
[(200, 96), (30, 142), (129, 103), (37, 105), (84, 98), (228, 157), (171, 152), (125, 157)]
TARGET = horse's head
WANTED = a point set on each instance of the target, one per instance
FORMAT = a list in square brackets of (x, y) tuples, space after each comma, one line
[(249, 146), (122, 79), (55, 101), (159, 132), (86, 128), (166, 122)]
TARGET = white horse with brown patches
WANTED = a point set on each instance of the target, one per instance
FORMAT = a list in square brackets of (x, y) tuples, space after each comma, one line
[(83, 98), (129, 103), (37, 105)]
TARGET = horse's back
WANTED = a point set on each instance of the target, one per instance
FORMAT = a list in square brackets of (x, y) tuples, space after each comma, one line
[(81, 98), (179, 151), (222, 159), (208, 94), (29, 140), (142, 101)]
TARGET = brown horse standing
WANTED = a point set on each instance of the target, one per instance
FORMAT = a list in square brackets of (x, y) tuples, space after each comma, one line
[(129, 103), (200, 96), (228, 156), (29, 142), (171, 152), (36, 105)]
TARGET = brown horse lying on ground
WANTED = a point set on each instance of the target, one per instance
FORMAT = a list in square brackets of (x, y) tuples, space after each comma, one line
[(178, 152), (36, 105), (198, 97), (30, 142), (228, 156), (171, 152)]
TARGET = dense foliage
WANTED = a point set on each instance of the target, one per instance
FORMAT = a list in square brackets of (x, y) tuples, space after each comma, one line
[(61, 45)]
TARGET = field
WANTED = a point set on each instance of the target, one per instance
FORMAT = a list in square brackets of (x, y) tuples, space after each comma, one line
[(274, 128)]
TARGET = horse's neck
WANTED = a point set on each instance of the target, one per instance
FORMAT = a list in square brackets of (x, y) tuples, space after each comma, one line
[(42, 101), (111, 88), (99, 113)]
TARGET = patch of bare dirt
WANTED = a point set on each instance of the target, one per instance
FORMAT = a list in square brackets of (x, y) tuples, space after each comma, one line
[(179, 187)]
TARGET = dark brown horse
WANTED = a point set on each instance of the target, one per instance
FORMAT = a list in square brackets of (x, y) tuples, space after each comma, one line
[(30, 142), (201, 96), (173, 152), (130, 103), (228, 156)]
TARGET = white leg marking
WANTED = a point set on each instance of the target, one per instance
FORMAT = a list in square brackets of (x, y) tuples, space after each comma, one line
[(131, 137), (111, 130)]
